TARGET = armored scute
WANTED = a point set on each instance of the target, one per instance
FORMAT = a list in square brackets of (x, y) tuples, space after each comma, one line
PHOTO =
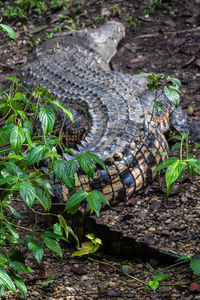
[(113, 113)]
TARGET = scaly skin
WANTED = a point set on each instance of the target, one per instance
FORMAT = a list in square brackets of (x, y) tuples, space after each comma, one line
[(113, 113)]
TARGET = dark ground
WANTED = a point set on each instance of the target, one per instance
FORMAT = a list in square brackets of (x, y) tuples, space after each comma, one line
[(164, 41)]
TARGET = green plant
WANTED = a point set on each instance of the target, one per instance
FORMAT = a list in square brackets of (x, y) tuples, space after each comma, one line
[(177, 166), (9, 31), (88, 247), (115, 10), (155, 4), (21, 153), (132, 21)]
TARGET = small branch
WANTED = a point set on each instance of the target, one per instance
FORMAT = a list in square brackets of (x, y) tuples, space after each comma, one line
[(157, 34)]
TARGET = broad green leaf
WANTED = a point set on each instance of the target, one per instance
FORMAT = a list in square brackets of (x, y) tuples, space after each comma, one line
[(86, 164), (195, 266), (75, 199), (52, 235), (36, 154), (8, 179), (143, 74), (10, 228), (7, 281), (173, 96), (154, 284), (174, 172), (15, 212), (175, 147), (13, 168), (3, 254), (65, 110), (166, 163), (21, 267), (59, 168), (57, 229), (9, 31), (37, 250), (160, 276), (2, 290), (85, 248), (96, 159), (70, 182), (17, 137), (71, 168), (176, 81), (94, 200), (29, 126), (20, 284), (47, 119), (27, 192), (52, 245), (42, 197)]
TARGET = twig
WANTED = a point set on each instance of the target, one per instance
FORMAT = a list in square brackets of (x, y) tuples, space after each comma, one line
[(157, 34)]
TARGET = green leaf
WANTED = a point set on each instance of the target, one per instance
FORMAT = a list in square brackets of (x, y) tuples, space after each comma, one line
[(21, 267), (73, 234), (63, 224), (86, 164), (59, 168), (154, 284), (13, 168), (166, 163), (20, 284), (14, 212), (174, 172), (37, 250), (70, 182), (75, 199), (47, 119), (94, 200), (17, 137), (10, 228), (176, 81), (176, 146), (184, 257), (160, 276), (42, 197), (65, 110), (96, 159), (52, 245), (85, 248), (8, 179), (195, 266), (6, 280), (173, 96), (27, 192), (16, 156), (47, 282), (9, 31), (36, 154), (29, 126), (71, 168)]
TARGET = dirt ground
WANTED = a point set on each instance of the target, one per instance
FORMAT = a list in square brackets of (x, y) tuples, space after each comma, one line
[(162, 40)]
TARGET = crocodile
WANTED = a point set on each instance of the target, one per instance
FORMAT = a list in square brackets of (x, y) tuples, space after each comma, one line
[(113, 112)]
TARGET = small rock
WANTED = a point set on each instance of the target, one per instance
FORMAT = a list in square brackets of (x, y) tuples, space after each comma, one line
[(168, 221), (113, 293), (130, 295), (152, 229)]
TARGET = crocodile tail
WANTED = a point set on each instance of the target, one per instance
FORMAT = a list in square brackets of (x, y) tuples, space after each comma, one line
[(126, 173)]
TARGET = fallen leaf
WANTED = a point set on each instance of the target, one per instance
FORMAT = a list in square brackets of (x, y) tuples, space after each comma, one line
[(106, 268), (191, 60), (194, 286)]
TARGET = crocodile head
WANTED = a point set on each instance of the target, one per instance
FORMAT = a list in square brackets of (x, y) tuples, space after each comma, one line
[(105, 39)]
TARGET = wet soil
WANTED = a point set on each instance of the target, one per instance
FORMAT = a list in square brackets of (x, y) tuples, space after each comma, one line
[(164, 41)]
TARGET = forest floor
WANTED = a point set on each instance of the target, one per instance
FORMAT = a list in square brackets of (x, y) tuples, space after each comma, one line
[(161, 39)]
